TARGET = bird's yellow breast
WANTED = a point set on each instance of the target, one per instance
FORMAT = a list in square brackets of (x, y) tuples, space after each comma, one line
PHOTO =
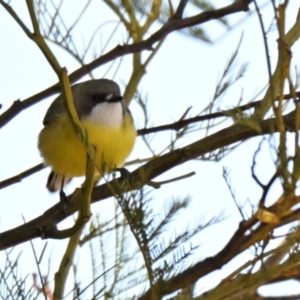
[(63, 151)]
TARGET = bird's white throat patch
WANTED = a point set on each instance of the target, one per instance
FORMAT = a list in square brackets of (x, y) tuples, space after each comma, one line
[(110, 114)]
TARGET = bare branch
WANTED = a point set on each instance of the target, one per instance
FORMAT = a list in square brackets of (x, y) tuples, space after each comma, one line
[(45, 225)]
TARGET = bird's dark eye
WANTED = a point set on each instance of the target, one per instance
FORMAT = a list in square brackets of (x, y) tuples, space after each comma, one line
[(98, 98)]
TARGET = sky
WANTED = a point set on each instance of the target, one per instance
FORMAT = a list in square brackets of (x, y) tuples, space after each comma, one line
[(183, 74)]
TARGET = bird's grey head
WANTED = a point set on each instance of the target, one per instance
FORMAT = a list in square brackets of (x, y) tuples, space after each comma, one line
[(90, 93)]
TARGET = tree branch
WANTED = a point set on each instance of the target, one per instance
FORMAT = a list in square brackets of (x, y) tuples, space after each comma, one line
[(172, 25), (45, 225), (237, 244)]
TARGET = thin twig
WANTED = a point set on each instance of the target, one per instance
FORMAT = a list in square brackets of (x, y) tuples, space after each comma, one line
[(18, 178)]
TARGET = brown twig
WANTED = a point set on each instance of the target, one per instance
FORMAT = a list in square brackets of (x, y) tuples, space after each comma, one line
[(225, 113), (180, 9), (18, 178)]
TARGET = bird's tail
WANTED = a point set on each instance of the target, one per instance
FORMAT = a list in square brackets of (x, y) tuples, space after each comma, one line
[(56, 182)]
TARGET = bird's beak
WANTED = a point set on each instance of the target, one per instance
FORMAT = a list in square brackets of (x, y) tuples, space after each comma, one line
[(114, 98)]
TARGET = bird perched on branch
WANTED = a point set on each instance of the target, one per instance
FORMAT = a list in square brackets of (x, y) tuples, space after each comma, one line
[(108, 124)]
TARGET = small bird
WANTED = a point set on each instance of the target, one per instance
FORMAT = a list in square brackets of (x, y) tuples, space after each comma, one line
[(108, 124)]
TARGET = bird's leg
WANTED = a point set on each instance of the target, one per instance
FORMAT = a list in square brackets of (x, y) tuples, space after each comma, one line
[(62, 196), (125, 174)]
